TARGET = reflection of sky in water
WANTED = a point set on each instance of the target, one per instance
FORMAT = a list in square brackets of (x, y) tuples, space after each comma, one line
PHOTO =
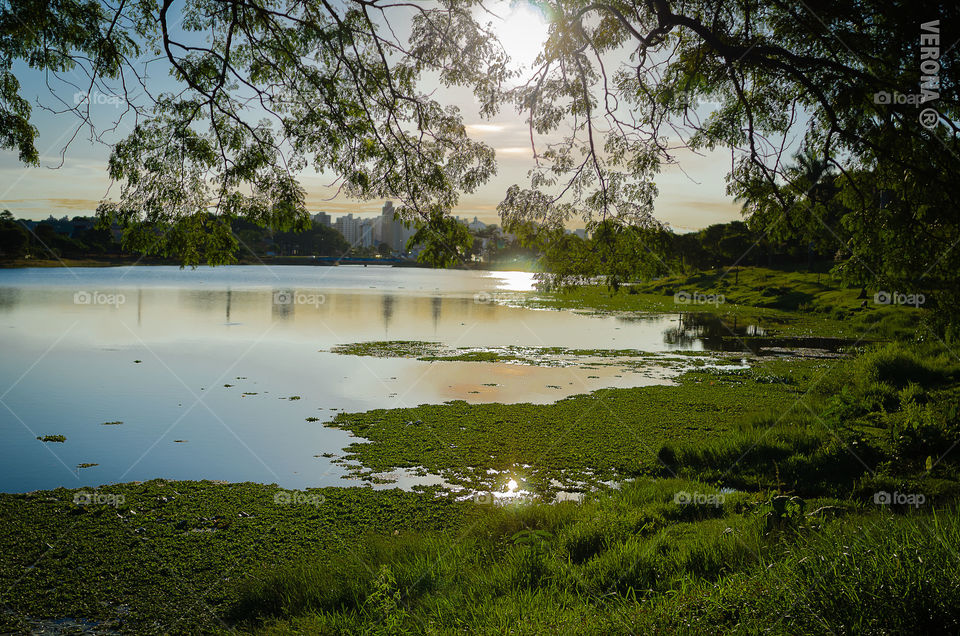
[(69, 367)]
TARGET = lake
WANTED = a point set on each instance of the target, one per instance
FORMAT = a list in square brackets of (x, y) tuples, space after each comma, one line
[(212, 373)]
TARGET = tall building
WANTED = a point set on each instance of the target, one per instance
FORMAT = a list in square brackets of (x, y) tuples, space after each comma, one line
[(393, 232), (323, 217), (368, 229), (350, 228)]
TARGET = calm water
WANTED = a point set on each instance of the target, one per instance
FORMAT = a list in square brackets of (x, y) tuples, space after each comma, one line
[(71, 339)]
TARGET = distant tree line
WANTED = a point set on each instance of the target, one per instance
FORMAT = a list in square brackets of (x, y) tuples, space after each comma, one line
[(84, 237), (618, 254)]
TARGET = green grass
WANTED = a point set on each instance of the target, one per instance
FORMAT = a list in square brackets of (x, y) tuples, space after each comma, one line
[(169, 557), (785, 303), (632, 562), (200, 557)]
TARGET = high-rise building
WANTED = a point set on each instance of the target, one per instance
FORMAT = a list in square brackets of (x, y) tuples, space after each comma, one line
[(323, 217), (350, 228), (388, 226), (391, 231), (368, 229)]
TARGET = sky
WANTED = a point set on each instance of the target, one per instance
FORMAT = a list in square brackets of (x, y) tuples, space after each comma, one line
[(692, 196)]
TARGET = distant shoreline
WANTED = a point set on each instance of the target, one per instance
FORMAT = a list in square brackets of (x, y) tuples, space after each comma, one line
[(128, 261)]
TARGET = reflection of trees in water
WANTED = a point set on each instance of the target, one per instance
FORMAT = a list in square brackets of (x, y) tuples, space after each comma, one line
[(9, 298), (435, 303), (205, 299), (636, 319), (711, 330), (386, 309)]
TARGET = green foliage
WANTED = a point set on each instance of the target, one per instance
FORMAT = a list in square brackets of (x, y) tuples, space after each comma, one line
[(446, 242)]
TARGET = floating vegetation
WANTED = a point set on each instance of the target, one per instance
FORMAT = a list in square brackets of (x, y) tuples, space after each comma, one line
[(117, 423), (179, 441), (510, 354), (293, 397), (87, 465), (52, 438), (623, 436), (137, 361), (313, 419), (389, 348), (227, 386)]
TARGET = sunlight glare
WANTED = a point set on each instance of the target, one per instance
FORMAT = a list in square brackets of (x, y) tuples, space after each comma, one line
[(521, 29)]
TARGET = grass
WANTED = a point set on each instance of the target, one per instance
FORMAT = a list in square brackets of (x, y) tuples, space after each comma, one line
[(631, 562), (169, 557), (190, 557), (784, 303)]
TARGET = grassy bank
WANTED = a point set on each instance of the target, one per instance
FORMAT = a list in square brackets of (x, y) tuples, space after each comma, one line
[(785, 303), (168, 557), (666, 556)]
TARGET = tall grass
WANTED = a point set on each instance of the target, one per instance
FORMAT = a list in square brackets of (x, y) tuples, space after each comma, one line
[(866, 572)]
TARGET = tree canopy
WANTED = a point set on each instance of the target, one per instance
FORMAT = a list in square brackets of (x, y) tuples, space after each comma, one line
[(261, 90)]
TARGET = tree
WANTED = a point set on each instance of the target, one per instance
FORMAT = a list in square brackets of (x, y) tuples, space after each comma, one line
[(445, 241), (14, 238)]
